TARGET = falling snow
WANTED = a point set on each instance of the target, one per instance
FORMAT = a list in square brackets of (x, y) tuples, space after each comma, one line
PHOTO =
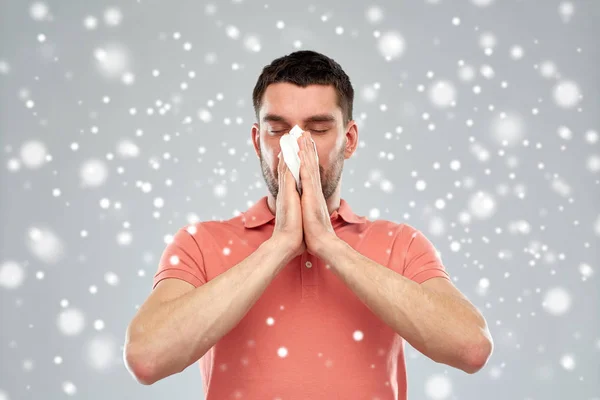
[(123, 122)]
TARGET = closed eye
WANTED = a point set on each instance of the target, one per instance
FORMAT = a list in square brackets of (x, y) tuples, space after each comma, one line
[(311, 130)]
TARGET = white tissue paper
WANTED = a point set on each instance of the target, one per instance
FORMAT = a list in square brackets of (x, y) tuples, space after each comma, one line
[(289, 149)]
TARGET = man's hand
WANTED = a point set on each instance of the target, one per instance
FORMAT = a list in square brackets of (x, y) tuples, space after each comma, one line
[(316, 221)]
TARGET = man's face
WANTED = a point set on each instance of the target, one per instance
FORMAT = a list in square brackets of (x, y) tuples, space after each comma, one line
[(285, 105)]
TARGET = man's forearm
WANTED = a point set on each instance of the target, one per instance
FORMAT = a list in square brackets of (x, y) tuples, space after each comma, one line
[(445, 328), (180, 331)]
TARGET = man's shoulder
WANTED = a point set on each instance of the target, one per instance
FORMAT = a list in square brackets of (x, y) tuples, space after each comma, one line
[(205, 229), (386, 224), (400, 230)]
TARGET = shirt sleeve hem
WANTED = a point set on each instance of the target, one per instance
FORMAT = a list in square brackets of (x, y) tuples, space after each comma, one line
[(422, 276), (176, 273)]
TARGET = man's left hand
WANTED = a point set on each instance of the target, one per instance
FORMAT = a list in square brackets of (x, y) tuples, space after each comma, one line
[(316, 221)]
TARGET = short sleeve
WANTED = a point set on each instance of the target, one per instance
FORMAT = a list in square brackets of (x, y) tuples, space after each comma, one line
[(421, 259), (182, 259)]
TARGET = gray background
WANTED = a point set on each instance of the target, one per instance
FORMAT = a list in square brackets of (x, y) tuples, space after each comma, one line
[(91, 189)]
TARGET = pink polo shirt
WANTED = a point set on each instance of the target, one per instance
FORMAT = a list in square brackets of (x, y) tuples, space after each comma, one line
[(308, 336)]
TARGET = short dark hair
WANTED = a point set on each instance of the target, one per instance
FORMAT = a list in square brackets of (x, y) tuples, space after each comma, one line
[(303, 68)]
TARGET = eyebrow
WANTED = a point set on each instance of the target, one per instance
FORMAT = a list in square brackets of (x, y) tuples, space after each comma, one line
[(313, 118)]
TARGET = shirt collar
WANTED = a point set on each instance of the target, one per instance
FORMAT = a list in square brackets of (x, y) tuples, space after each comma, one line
[(260, 214)]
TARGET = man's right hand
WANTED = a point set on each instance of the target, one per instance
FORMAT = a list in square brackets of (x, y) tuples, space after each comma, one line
[(288, 215)]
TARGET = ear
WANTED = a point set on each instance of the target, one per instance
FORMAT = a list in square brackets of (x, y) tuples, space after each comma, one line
[(351, 136), (255, 132)]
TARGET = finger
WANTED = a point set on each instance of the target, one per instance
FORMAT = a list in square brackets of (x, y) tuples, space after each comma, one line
[(284, 171), (281, 170), (304, 173), (279, 162), (303, 140), (306, 139), (282, 165), (312, 144)]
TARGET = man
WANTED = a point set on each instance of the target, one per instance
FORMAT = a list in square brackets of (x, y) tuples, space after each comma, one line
[(298, 297)]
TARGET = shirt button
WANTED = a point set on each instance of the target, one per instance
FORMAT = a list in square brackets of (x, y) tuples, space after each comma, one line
[(308, 264)]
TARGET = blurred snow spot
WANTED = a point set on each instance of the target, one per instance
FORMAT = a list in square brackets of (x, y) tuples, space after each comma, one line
[(548, 69), (521, 226), (565, 133), (11, 275), (282, 352), (487, 40), (252, 43), (516, 52), (482, 205), (124, 238), (566, 94), (101, 353), (69, 388), (93, 173), (45, 245), (204, 115), (586, 271), (113, 60), (210, 9), (561, 187), (495, 372), (507, 129), (71, 322), (566, 10), (111, 278), (480, 152), (442, 94), (38, 11), (438, 387), (482, 3), (128, 78), (593, 163), (483, 286), (386, 186), (90, 22), (437, 226), (220, 191), (466, 73), (368, 93), (455, 246), (487, 71), (4, 67), (33, 153), (391, 45), (557, 301), (591, 137), (113, 16), (358, 336), (127, 149), (232, 31), (567, 361), (374, 14)]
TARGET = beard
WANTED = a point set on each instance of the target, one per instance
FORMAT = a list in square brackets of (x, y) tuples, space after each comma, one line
[(329, 179)]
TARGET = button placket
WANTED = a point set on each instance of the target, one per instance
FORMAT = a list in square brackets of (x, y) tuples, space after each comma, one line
[(309, 276)]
